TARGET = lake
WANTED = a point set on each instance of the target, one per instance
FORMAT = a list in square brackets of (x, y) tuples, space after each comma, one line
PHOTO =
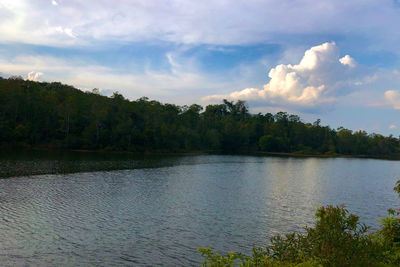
[(150, 210)]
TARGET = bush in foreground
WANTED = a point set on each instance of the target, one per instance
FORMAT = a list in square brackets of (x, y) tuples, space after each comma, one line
[(337, 239)]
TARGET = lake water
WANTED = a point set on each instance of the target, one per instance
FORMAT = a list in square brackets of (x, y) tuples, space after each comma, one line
[(160, 209)]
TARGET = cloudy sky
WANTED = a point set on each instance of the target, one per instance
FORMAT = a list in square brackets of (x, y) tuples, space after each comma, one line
[(334, 60)]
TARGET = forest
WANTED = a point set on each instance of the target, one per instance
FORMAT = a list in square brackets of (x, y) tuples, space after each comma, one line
[(58, 116)]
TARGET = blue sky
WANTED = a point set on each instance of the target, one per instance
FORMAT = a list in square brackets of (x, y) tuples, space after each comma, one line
[(333, 60)]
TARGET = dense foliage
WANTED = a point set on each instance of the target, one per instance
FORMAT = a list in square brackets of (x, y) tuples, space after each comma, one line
[(54, 115), (337, 239)]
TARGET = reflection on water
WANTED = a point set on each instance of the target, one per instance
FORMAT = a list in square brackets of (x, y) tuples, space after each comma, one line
[(20, 163), (160, 215)]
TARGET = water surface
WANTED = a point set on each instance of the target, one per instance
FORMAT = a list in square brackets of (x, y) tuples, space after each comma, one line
[(162, 209)]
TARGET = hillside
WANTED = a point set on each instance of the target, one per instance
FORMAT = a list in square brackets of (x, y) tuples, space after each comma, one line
[(58, 116)]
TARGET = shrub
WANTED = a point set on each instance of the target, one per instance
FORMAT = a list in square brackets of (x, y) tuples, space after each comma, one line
[(337, 239)]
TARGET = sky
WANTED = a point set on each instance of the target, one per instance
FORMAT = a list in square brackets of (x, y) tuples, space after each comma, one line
[(333, 60)]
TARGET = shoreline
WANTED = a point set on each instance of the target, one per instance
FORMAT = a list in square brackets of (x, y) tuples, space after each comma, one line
[(194, 153), (24, 154), (294, 154)]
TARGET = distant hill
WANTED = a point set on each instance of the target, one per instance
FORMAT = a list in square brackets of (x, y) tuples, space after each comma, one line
[(58, 116)]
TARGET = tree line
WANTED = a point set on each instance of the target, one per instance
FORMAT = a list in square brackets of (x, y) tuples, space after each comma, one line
[(54, 115)]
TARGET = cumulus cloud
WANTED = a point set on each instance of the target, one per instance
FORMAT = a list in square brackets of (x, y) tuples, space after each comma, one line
[(317, 80), (392, 126), (34, 76), (393, 98)]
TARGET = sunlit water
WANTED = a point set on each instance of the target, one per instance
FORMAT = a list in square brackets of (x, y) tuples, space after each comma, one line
[(164, 208)]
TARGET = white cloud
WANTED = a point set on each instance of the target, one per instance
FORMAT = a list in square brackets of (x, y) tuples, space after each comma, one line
[(347, 60), (317, 80), (392, 126), (194, 22), (34, 76), (181, 84), (66, 31), (393, 98)]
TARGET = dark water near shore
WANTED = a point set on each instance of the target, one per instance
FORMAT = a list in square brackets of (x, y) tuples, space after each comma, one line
[(160, 209)]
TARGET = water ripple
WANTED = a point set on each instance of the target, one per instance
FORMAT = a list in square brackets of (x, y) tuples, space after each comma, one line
[(159, 216)]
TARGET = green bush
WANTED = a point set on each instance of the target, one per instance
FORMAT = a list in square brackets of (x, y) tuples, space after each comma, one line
[(337, 239)]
